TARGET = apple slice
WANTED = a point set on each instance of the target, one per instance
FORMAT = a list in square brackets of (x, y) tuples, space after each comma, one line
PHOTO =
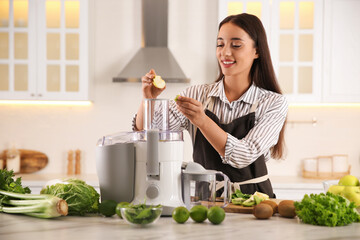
[(159, 82)]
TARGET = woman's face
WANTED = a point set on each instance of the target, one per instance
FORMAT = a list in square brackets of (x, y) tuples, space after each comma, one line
[(235, 51)]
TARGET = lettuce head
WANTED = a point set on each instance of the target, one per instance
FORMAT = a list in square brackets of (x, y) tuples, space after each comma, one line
[(80, 197)]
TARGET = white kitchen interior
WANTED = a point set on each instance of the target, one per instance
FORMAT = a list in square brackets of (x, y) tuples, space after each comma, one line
[(326, 123), (63, 88)]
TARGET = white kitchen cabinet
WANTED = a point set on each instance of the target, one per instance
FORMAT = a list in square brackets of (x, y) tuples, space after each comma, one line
[(296, 40), (44, 50), (341, 51), (313, 46), (295, 192)]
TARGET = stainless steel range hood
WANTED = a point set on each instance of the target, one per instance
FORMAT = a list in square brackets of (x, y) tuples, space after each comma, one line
[(154, 52)]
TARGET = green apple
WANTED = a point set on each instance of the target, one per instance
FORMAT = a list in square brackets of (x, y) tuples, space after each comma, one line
[(349, 180), (353, 194), (336, 189)]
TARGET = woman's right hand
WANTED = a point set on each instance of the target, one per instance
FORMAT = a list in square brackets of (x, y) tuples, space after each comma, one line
[(148, 88)]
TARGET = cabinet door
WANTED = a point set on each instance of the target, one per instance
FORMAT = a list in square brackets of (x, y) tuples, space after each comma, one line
[(294, 31), (296, 48), (63, 49), (17, 49), (259, 8), (341, 51), (44, 49)]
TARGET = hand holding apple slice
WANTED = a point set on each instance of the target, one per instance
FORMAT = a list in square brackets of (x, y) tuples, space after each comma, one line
[(159, 82)]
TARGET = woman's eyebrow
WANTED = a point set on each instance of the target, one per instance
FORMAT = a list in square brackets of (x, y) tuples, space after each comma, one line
[(237, 39), (219, 38)]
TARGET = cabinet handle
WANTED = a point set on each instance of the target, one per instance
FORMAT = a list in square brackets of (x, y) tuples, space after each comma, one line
[(32, 95), (39, 95)]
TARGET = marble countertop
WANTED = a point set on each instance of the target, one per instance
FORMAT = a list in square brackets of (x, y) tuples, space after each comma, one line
[(235, 226)]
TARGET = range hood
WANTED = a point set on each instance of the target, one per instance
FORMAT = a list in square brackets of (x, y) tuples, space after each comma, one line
[(154, 52)]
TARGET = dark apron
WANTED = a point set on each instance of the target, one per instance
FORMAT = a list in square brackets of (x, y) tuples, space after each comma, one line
[(209, 158)]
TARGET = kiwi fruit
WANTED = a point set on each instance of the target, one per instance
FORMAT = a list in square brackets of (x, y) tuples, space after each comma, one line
[(263, 211), (286, 209), (272, 204)]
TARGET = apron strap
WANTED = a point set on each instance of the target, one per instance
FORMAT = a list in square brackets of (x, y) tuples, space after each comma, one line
[(254, 107), (236, 185), (209, 104)]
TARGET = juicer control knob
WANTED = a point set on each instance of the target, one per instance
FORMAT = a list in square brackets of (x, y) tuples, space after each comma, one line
[(152, 191)]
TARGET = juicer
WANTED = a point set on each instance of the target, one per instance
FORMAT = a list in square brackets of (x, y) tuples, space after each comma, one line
[(143, 166)]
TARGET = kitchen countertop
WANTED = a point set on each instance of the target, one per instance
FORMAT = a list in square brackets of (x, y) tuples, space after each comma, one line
[(235, 226)]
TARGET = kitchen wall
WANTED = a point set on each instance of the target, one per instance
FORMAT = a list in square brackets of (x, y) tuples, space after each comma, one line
[(192, 32)]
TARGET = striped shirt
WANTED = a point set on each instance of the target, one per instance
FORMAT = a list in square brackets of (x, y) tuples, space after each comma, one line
[(270, 116)]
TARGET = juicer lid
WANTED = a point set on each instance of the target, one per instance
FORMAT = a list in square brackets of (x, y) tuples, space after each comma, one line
[(138, 136), (196, 168)]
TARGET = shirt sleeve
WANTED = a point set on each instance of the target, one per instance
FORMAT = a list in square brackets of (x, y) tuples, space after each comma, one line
[(240, 153)]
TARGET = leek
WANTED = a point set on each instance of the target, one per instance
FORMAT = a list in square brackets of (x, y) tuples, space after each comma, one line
[(36, 205)]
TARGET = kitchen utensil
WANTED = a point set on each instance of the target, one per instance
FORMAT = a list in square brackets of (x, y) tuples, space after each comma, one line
[(13, 160), (146, 165), (70, 166), (199, 186), (77, 162), (30, 160)]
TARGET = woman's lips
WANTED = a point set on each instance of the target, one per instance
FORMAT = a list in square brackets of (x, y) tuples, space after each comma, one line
[(228, 64)]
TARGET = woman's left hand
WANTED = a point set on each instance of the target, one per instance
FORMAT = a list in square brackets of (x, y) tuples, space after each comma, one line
[(192, 109)]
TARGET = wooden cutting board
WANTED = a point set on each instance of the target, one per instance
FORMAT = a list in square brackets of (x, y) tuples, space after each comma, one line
[(232, 208), (30, 160)]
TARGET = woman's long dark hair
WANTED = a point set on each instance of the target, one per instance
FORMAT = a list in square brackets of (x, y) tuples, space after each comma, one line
[(262, 72)]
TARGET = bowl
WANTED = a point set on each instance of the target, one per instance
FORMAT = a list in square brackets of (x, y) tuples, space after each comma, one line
[(140, 214), (352, 193), (327, 184)]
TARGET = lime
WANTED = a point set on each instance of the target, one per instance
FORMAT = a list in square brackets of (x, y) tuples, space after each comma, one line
[(119, 206), (107, 207), (180, 214), (159, 82), (198, 213), (216, 214)]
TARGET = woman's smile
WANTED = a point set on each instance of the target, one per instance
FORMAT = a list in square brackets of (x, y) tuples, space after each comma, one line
[(228, 63)]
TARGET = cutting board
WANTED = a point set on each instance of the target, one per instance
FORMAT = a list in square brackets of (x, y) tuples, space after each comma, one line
[(30, 160), (232, 208)]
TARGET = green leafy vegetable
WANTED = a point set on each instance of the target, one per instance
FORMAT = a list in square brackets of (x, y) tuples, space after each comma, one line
[(14, 198), (239, 194), (326, 210), (36, 205), (7, 182), (248, 200), (80, 197), (142, 214)]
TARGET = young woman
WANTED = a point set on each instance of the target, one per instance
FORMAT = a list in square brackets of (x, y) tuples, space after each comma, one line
[(237, 122)]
